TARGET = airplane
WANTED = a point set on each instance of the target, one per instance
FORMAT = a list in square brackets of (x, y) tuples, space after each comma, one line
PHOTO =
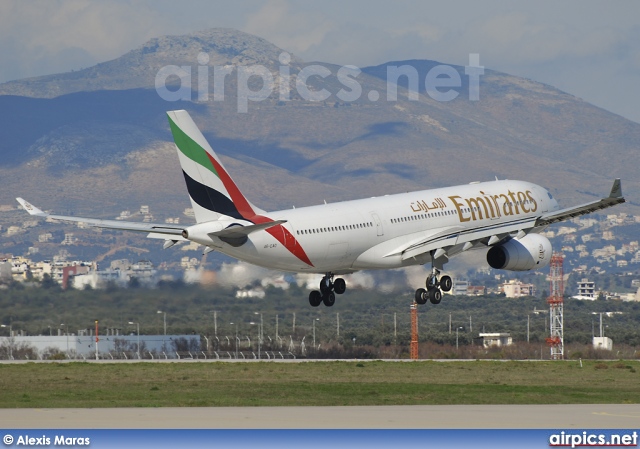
[(391, 231)]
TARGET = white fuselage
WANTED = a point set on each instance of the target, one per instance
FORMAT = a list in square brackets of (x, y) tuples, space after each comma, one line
[(365, 234)]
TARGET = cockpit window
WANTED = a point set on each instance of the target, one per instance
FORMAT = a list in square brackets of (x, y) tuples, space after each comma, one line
[(550, 197)]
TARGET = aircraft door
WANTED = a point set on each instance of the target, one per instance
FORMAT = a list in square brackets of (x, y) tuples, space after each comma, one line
[(378, 223)]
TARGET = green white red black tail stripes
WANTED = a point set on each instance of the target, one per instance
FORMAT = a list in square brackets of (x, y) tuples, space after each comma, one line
[(212, 192)]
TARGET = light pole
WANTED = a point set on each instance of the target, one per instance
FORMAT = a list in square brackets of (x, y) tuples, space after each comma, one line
[(67, 334), (236, 338), (138, 332), (259, 333), (457, 328), (252, 323), (314, 334), (164, 319)]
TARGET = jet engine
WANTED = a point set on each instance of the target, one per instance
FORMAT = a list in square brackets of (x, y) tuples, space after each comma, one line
[(532, 251)]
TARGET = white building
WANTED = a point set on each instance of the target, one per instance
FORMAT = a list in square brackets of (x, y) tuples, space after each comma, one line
[(109, 346), (69, 239), (43, 238), (496, 339), (13, 230), (586, 290), (99, 279), (460, 287), (251, 293), (603, 343), (517, 289)]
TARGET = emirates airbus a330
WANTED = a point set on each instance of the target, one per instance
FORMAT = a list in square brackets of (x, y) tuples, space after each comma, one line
[(423, 227)]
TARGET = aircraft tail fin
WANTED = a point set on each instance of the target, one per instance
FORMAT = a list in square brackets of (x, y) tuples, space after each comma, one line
[(212, 192)]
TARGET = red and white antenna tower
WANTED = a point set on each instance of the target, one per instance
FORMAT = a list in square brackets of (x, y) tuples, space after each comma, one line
[(556, 306), (414, 331)]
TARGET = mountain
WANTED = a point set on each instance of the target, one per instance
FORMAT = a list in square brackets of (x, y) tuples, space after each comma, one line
[(96, 141)]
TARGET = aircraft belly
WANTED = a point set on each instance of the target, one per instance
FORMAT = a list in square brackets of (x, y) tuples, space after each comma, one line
[(373, 258)]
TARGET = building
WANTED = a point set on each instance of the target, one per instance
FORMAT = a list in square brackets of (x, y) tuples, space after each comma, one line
[(109, 346), (124, 215), (72, 270), (13, 230), (460, 287), (99, 279), (251, 293), (69, 239), (477, 290), (464, 288), (603, 343), (120, 264), (44, 238), (517, 289), (496, 339), (586, 290)]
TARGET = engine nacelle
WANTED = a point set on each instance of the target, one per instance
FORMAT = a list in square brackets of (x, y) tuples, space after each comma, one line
[(531, 252), (199, 232)]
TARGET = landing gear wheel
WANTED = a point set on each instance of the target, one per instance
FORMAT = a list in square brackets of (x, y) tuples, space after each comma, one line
[(315, 298), (339, 286), (435, 296), (421, 296), (446, 283), (329, 299)]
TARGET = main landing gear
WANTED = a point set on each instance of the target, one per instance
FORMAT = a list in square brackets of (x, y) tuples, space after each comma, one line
[(435, 286), (328, 290)]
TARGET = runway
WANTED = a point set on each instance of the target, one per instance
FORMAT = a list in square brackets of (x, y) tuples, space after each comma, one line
[(608, 416)]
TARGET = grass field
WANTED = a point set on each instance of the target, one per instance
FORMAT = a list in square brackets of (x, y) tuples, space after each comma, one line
[(50, 385)]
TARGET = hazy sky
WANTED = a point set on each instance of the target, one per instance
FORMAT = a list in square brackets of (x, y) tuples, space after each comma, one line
[(588, 48)]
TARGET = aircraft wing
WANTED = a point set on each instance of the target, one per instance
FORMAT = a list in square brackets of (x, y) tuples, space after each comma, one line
[(165, 229), (615, 197)]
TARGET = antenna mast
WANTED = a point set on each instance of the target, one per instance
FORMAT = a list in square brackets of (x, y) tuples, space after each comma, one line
[(556, 307)]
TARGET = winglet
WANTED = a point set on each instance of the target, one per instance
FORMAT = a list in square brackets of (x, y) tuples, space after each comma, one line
[(33, 210), (616, 189)]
